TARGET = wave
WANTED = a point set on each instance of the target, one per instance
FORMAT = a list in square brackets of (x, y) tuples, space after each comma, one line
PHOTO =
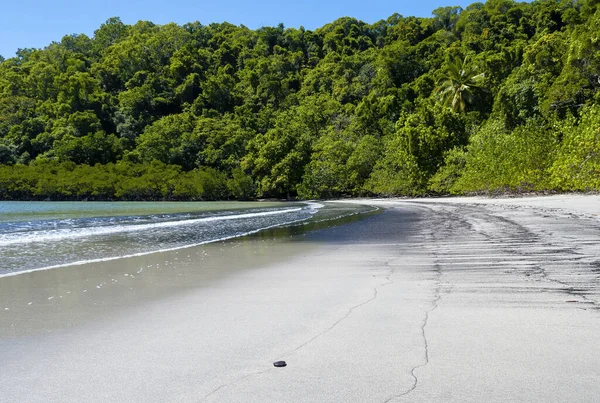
[(107, 259), (97, 240), (61, 234)]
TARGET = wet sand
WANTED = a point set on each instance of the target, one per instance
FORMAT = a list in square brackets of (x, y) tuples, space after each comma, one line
[(429, 301)]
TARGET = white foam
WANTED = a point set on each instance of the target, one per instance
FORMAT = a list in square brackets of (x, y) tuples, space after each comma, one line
[(107, 259), (312, 205), (56, 235)]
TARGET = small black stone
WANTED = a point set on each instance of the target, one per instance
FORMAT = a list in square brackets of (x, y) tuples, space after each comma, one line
[(279, 363)]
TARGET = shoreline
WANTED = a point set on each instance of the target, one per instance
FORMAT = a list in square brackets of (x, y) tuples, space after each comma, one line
[(310, 222), (108, 259), (116, 283), (171, 270)]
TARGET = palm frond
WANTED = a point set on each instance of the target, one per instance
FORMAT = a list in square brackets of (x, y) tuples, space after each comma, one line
[(456, 86)]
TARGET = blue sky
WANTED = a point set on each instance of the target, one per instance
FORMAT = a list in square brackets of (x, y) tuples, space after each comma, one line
[(36, 23)]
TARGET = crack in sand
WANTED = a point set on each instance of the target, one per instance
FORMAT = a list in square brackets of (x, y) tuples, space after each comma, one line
[(434, 306), (375, 292)]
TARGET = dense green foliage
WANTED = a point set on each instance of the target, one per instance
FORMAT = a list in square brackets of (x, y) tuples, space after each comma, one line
[(499, 96)]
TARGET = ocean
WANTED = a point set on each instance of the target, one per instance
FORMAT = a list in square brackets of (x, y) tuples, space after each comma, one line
[(45, 235)]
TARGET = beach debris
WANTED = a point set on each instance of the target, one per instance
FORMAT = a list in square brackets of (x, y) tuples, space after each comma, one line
[(279, 364)]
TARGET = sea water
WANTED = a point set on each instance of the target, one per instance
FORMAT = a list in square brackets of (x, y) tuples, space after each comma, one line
[(44, 235)]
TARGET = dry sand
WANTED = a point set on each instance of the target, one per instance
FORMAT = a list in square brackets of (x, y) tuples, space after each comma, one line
[(445, 300)]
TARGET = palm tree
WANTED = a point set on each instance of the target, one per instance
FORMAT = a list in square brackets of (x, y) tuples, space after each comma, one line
[(457, 85)]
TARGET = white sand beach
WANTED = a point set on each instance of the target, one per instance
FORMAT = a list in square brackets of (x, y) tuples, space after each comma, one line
[(432, 300)]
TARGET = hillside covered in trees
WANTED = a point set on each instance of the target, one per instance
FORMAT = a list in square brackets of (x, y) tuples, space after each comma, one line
[(498, 96)]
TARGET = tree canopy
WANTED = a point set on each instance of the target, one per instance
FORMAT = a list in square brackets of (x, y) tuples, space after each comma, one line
[(501, 95)]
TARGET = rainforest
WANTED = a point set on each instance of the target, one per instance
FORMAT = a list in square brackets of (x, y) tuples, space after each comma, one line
[(500, 96)]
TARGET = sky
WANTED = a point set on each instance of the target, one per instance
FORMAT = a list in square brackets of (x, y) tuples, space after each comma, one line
[(37, 23)]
